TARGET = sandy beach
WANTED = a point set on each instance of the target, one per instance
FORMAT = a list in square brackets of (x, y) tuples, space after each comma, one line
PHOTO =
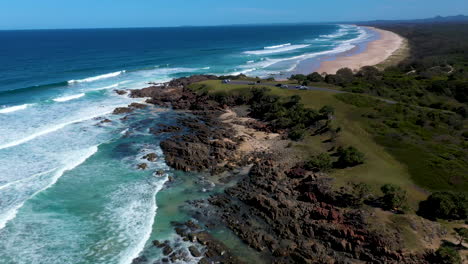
[(377, 52)]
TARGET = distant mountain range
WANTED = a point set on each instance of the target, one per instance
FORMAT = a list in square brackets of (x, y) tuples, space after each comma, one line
[(437, 19)]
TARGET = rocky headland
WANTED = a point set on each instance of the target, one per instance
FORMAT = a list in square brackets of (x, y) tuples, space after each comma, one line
[(280, 209)]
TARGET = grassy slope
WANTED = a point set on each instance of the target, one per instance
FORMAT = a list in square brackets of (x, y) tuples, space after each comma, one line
[(384, 163), (380, 167)]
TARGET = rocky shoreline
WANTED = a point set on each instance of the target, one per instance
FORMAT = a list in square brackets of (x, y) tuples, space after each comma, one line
[(287, 213)]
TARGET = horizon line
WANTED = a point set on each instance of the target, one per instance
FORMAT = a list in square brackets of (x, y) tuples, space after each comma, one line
[(246, 24)]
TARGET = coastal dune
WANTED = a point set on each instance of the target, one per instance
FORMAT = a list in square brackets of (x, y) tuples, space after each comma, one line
[(376, 53)]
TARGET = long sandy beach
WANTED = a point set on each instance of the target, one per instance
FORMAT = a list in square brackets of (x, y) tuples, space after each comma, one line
[(376, 52)]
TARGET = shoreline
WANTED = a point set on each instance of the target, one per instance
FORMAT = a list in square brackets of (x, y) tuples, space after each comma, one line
[(376, 52)]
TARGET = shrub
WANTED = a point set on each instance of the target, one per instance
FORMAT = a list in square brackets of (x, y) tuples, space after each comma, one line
[(320, 162), (394, 196), (447, 255), (465, 134), (298, 77), (462, 234), (360, 191), (368, 73), (315, 77), (297, 133), (345, 75), (327, 111), (444, 205), (349, 157)]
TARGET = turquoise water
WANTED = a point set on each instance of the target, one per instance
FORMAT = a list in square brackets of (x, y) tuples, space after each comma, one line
[(69, 188)]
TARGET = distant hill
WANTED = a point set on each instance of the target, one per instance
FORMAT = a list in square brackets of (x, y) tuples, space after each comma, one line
[(437, 19)]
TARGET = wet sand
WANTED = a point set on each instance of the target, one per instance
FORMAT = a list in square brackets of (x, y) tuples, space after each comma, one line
[(376, 52)]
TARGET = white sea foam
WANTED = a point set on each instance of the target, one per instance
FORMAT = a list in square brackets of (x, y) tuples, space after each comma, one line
[(25, 179), (276, 50), (11, 109), (363, 35), (49, 130), (96, 78), (342, 31), (105, 87), (136, 224), (206, 68), (342, 46), (278, 46), (111, 86), (68, 98), (79, 159), (267, 62)]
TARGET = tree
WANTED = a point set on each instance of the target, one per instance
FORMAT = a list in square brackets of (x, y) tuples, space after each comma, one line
[(349, 157), (321, 162), (297, 133), (360, 192), (447, 255), (394, 196), (345, 75), (327, 111), (445, 205), (298, 77), (315, 77), (331, 79), (368, 73), (462, 234)]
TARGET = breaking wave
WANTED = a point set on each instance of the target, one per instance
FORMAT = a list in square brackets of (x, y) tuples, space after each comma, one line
[(278, 49), (68, 98), (278, 46), (96, 78), (81, 157), (11, 109), (49, 130)]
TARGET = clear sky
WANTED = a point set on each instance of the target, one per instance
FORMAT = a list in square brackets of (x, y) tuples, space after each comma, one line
[(27, 14)]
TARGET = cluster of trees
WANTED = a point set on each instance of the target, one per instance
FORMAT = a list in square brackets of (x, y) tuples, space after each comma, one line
[(439, 205), (435, 75), (306, 79), (286, 113), (346, 157), (280, 113), (445, 205), (394, 197), (445, 255)]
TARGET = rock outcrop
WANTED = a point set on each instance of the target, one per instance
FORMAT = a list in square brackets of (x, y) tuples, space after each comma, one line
[(291, 215), (296, 220)]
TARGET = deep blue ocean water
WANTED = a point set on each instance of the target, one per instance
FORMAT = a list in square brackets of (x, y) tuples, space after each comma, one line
[(69, 188)]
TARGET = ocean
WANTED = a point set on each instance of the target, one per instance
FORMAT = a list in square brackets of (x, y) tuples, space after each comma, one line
[(69, 188)]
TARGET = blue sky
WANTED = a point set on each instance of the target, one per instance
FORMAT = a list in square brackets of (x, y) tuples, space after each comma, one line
[(27, 14)]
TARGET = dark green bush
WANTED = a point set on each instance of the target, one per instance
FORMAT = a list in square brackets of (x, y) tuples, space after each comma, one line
[(445, 205), (394, 196), (321, 162), (315, 77), (297, 133), (360, 191), (447, 255), (349, 157)]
